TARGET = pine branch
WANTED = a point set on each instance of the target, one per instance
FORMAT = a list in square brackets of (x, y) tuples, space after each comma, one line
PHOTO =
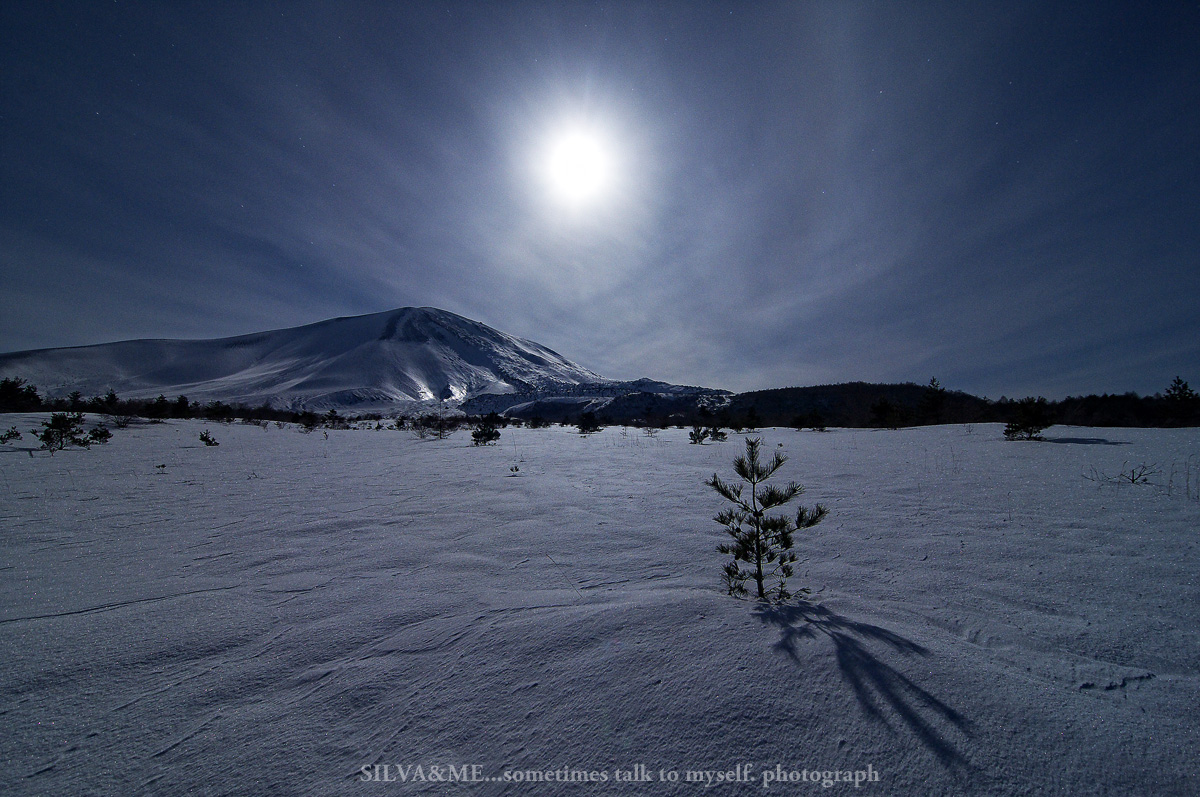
[(807, 518), (731, 492), (775, 464), (772, 496)]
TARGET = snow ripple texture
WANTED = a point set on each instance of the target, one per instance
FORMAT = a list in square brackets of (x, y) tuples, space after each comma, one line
[(271, 615)]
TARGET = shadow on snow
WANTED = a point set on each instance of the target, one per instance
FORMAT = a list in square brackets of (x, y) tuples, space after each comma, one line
[(876, 684)]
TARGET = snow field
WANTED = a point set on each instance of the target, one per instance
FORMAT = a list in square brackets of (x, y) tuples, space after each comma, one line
[(273, 614)]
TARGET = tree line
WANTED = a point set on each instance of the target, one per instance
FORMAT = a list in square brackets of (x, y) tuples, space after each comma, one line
[(855, 404), (864, 405)]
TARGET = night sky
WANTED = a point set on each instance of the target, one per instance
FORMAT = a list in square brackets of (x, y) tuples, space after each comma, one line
[(1002, 195)]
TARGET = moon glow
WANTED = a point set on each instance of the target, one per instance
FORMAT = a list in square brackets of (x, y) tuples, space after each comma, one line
[(579, 167)]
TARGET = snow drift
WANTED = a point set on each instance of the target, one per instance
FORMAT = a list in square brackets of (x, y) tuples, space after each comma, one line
[(272, 615)]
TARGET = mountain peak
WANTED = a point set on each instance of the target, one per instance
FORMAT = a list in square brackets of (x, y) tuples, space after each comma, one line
[(406, 354)]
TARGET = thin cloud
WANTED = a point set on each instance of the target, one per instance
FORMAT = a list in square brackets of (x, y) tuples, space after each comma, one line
[(810, 193)]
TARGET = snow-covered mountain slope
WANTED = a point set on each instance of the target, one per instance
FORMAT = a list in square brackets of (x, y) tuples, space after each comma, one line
[(410, 354)]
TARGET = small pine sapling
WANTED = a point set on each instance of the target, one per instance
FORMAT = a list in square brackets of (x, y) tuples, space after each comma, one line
[(11, 434), (1031, 416), (100, 435), (701, 433), (208, 439), (485, 432), (588, 424), (62, 430), (762, 541)]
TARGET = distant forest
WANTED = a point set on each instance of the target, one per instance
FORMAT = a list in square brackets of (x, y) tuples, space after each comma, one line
[(853, 404), (859, 404)]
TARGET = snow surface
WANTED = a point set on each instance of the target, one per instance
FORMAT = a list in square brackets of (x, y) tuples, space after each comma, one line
[(273, 614)]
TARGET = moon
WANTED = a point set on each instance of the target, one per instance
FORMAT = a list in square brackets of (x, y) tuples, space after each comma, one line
[(579, 167)]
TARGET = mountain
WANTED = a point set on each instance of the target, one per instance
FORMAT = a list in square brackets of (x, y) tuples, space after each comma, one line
[(379, 360)]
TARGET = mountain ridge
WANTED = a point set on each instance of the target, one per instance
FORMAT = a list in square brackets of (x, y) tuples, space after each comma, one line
[(410, 354)]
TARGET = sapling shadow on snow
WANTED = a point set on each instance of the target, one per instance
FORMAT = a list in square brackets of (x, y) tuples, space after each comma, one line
[(763, 542), (880, 688)]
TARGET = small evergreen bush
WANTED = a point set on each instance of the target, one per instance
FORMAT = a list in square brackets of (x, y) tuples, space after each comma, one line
[(62, 430), (701, 433), (587, 423), (485, 432), (762, 541), (1030, 417)]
